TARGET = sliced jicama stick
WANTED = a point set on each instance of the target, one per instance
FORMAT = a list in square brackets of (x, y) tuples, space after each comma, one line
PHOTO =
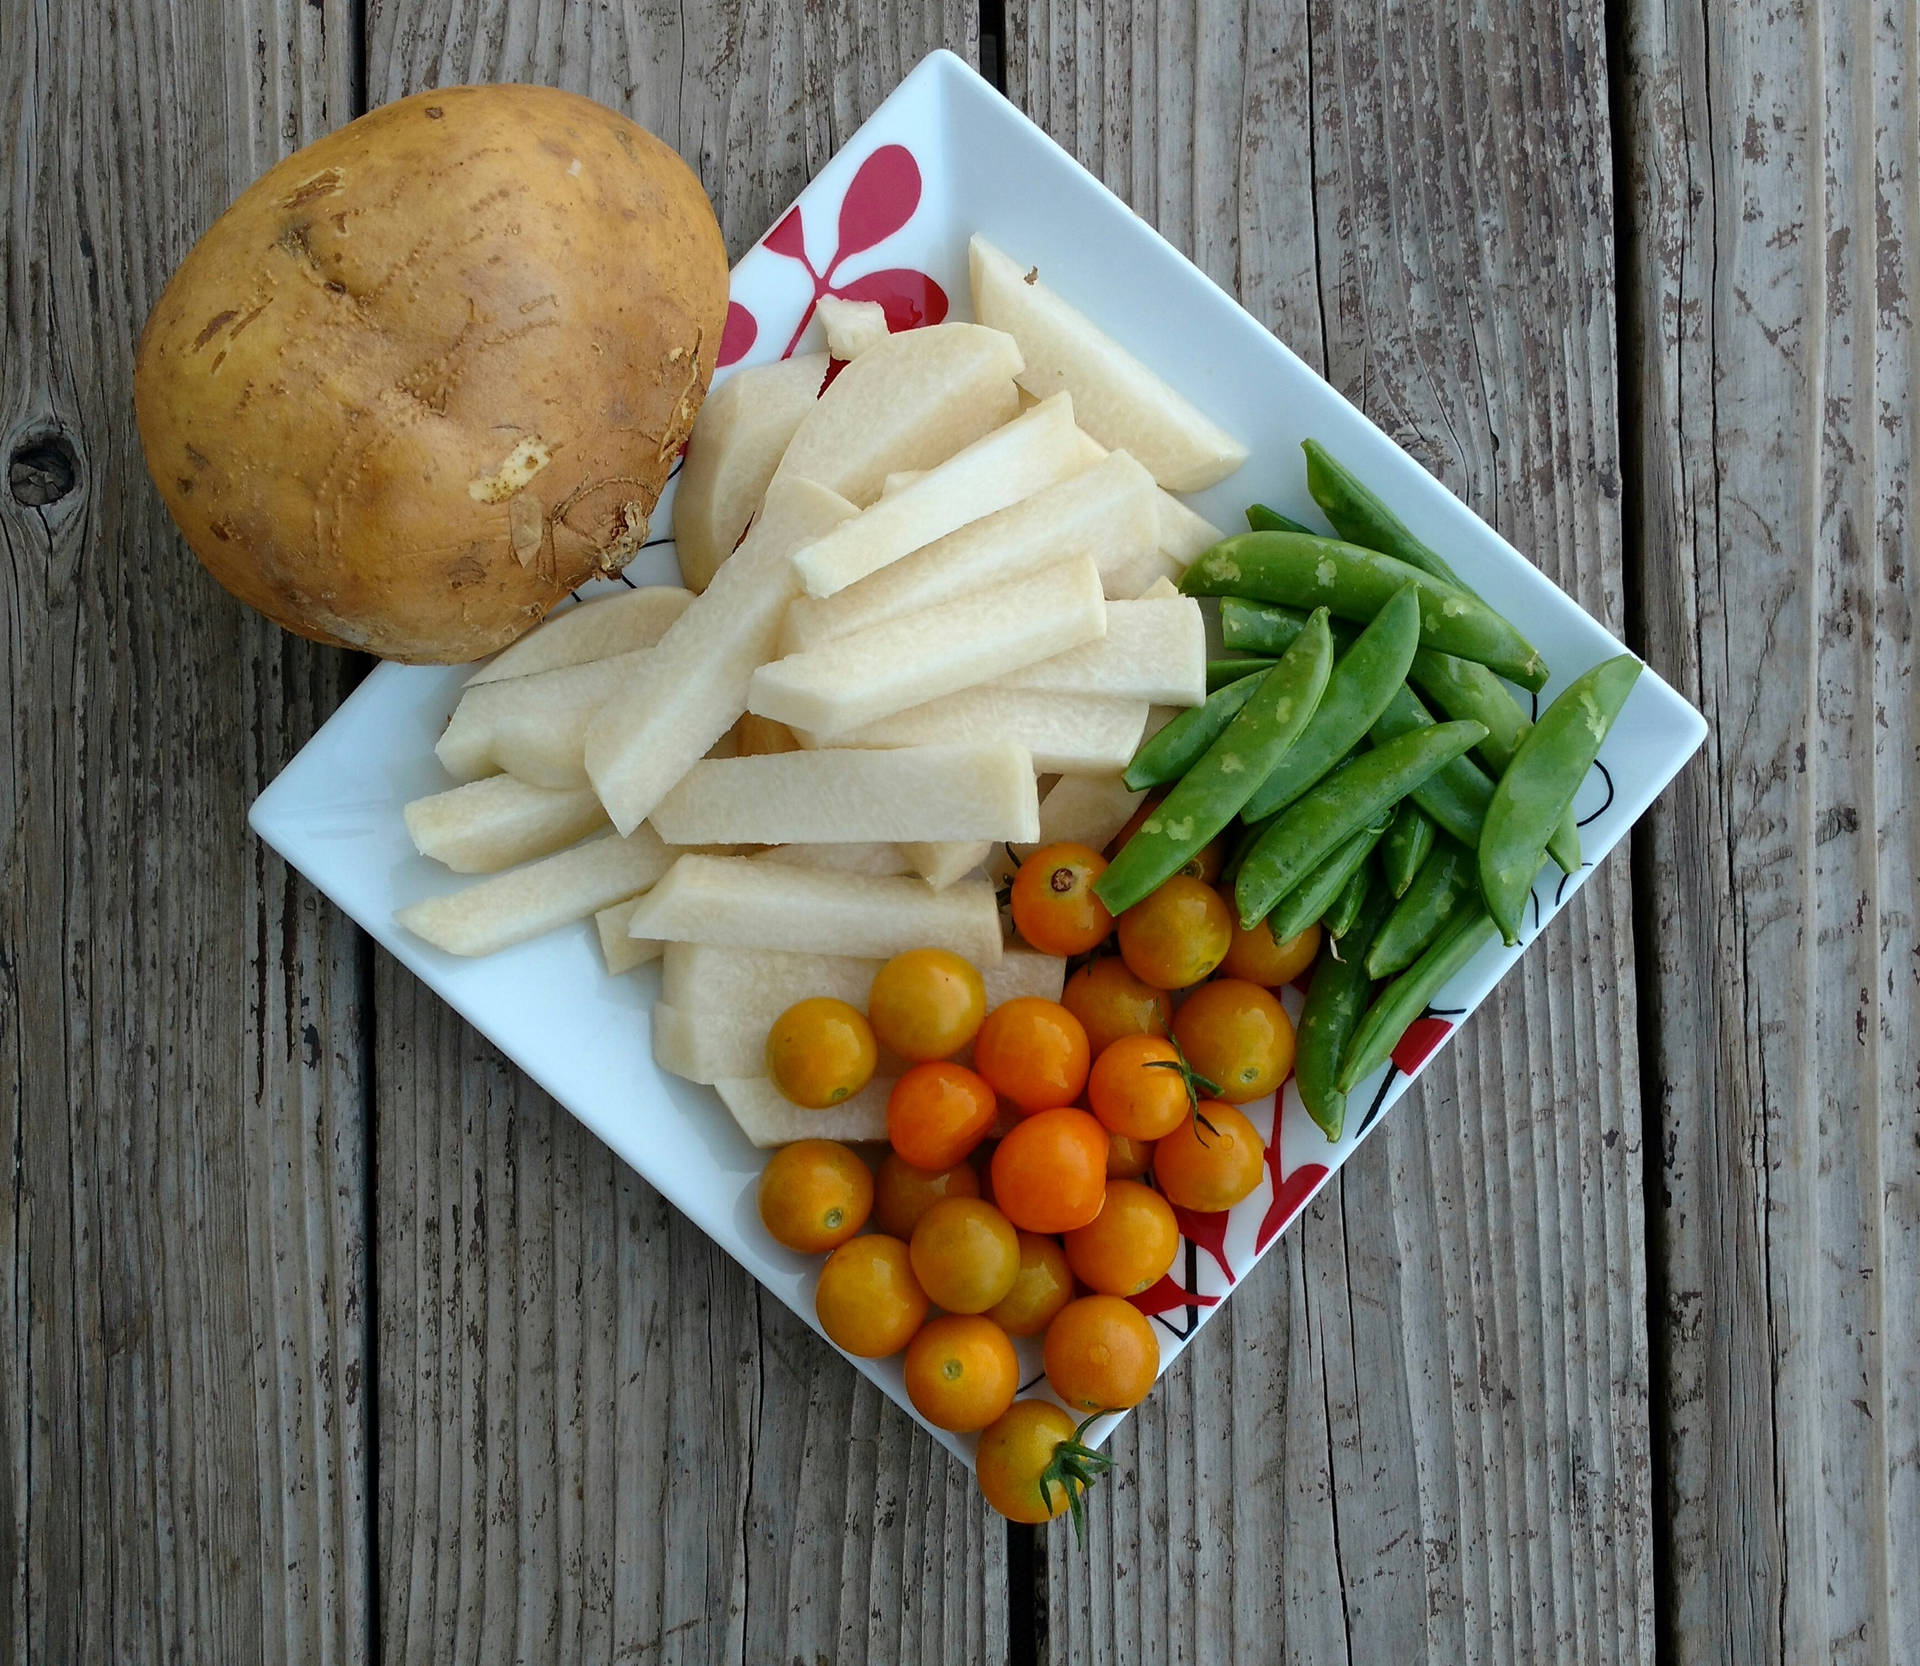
[(622, 952), (1029, 454), (535, 726), (465, 747), (492, 824), (827, 797), (1161, 590), (744, 430), (1087, 810), (693, 687), (853, 327), (599, 629), (1120, 402), (1153, 650), (768, 1119), (909, 403), (875, 860), (1184, 533), (901, 477), (760, 984), (873, 673), (742, 904), (1105, 512), (940, 862), (525, 902), (1068, 734)]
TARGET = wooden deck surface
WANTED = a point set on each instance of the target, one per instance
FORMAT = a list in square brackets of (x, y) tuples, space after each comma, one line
[(327, 1337)]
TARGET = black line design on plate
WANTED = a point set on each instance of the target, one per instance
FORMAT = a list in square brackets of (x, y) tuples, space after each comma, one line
[(1606, 775), (1566, 879), (655, 543), (1379, 1101)]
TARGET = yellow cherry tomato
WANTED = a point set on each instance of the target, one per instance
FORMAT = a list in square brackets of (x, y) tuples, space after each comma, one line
[(1101, 1354), (1127, 1158), (966, 1254), (1256, 955), (1041, 1288), (1111, 1002), (1054, 907), (815, 1195), (903, 1193), (1129, 1245), (1211, 1161), (1017, 1462), (1177, 935), (820, 1051), (926, 1004), (868, 1300), (1138, 1087), (961, 1372), (1238, 1036)]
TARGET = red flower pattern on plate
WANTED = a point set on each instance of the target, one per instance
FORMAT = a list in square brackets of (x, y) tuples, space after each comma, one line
[(881, 199)]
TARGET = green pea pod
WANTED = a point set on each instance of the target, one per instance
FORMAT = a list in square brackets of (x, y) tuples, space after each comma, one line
[(1462, 689), (1407, 844), (1355, 583), (1529, 800), (1403, 1000), (1456, 794), (1363, 680), (1346, 907), (1262, 519), (1449, 878), (1258, 627), (1170, 754), (1232, 667), (1211, 793), (1298, 839), (1321, 889), (1360, 516), (1336, 1000)]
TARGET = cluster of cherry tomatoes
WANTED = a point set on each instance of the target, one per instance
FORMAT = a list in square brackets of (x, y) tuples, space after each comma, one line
[(1031, 1191)]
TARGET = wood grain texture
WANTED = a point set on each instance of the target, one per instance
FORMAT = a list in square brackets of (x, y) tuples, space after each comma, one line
[(183, 1368), (599, 1439), (1418, 1433), (1774, 201)]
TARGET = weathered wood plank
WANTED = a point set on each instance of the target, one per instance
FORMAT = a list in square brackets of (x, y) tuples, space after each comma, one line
[(1774, 168), (598, 1439), (1420, 1433), (182, 1358)]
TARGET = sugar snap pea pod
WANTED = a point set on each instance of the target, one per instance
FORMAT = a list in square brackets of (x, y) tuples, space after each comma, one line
[(1359, 515), (1300, 570), (1259, 627), (1363, 680), (1448, 879), (1175, 749), (1346, 907), (1211, 793), (1321, 889), (1403, 1000), (1299, 838), (1539, 784), (1456, 794), (1262, 519), (1407, 844), (1462, 689), (1231, 668), (1336, 1000)]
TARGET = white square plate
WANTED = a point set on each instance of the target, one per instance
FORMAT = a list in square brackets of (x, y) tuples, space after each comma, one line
[(889, 218)]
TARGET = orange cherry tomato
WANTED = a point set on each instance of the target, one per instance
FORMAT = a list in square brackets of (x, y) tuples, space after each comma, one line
[(961, 1372), (868, 1300), (1041, 1288), (1127, 1159), (1137, 1087), (1034, 1052), (1017, 1462), (1050, 1173), (1101, 1354), (926, 1004), (1256, 955), (1111, 1002), (1054, 907), (937, 1113), (1127, 1246), (1212, 1161), (1177, 935), (1238, 1036), (820, 1052), (815, 1195), (903, 1193), (966, 1254), (1206, 862)]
